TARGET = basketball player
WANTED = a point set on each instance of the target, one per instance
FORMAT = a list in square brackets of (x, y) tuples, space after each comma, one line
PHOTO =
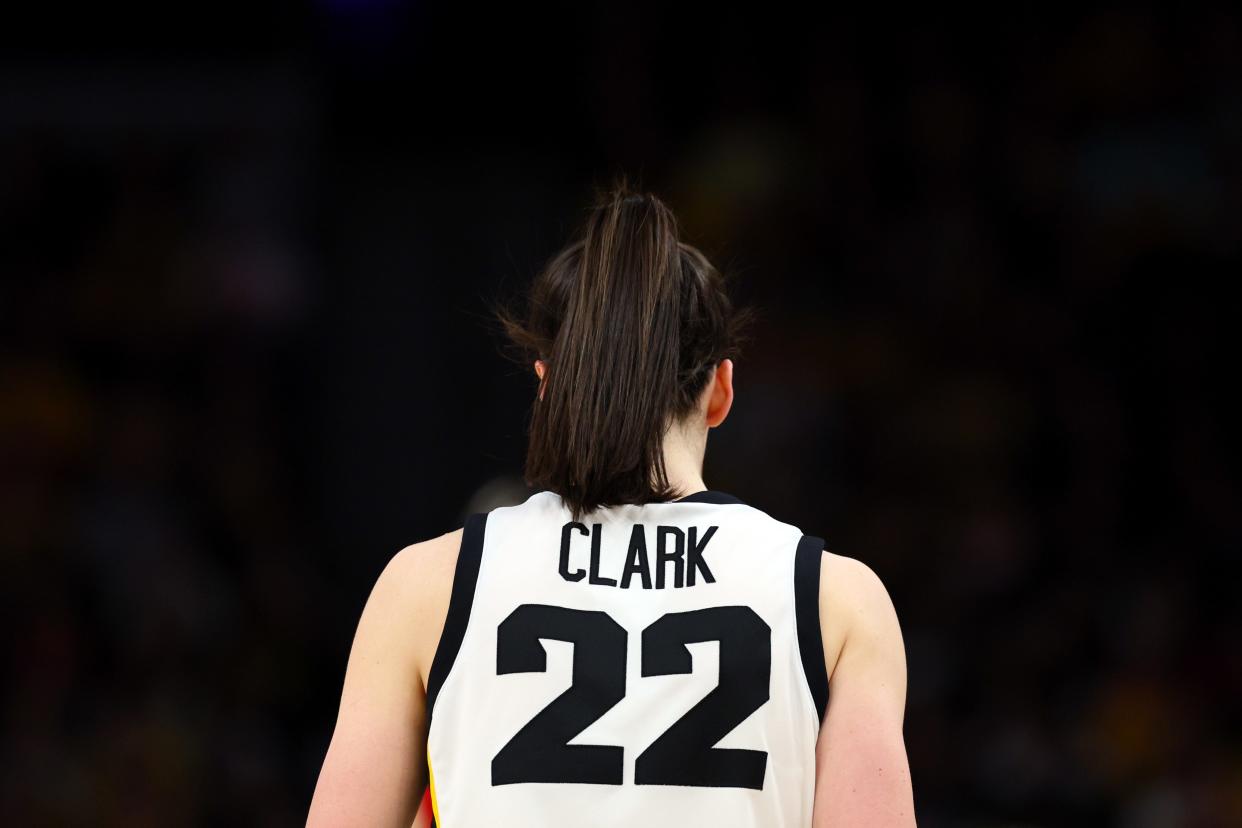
[(626, 647)]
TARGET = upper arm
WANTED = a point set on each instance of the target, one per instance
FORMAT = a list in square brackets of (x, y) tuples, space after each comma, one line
[(862, 772), (375, 769)]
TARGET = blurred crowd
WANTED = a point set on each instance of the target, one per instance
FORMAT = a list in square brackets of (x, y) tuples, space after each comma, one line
[(244, 358)]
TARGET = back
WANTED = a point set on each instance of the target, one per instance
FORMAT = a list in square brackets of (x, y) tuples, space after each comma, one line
[(656, 665)]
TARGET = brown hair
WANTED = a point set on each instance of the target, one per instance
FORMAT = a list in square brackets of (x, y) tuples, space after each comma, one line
[(630, 323)]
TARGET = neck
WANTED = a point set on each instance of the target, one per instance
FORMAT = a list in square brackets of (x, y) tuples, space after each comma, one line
[(683, 460)]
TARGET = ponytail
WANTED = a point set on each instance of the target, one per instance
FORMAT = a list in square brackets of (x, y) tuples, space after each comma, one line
[(631, 323)]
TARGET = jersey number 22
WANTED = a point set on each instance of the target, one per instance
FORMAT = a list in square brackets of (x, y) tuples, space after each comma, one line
[(683, 754)]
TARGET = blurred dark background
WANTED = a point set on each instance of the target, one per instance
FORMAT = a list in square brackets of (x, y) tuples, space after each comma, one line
[(245, 357)]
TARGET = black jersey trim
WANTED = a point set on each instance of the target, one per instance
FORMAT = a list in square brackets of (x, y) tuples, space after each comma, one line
[(806, 604), (709, 496), (465, 578), (705, 496)]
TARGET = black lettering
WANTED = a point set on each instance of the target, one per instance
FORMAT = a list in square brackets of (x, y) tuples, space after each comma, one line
[(595, 576), (578, 574), (663, 556), (685, 754), (636, 558), (540, 751), (694, 556)]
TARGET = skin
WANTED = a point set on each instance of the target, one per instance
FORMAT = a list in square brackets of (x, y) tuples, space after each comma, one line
[(375, 771)]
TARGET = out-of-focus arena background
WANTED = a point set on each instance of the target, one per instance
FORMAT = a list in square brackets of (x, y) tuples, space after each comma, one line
[(245, 358)]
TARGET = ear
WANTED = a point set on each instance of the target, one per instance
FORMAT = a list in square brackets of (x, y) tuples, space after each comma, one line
[(539, 369), (720, 397)]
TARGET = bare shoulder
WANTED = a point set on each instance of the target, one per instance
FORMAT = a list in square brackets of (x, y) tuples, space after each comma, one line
[(854, 604), (416, 584), (421, 564), (848, 585)]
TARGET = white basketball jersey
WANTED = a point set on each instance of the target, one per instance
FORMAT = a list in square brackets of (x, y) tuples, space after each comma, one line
[(655, 665)]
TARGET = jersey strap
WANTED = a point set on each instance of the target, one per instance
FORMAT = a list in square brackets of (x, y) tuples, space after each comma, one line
[(806, 606), (465, 578), (710, 496)]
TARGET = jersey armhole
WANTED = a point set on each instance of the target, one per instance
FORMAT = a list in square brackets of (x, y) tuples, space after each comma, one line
[(465, 579), (807, 561)]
